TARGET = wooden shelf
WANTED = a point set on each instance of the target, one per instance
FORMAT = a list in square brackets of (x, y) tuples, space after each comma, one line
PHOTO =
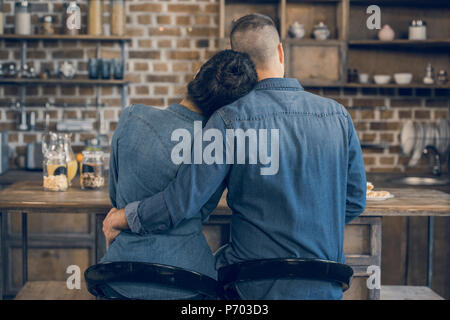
[(374, 85), (431, 43), (84, 37), (313, 42), (82, 81)]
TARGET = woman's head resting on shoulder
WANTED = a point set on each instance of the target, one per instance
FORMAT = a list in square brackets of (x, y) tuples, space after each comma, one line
[(223, 79)]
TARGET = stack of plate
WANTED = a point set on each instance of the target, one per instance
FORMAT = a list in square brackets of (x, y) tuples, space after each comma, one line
[(416, 136)]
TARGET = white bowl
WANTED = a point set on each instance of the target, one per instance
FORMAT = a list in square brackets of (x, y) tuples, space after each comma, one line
[(403, 78), (382, 78)]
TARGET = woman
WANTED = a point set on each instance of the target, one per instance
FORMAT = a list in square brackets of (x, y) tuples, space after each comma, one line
[(141, 166)]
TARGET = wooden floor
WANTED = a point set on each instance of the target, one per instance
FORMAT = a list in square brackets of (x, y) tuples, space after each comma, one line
[(408, 293), (52, 290)]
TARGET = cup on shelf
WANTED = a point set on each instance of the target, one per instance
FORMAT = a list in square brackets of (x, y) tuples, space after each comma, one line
[(118, 68), (105, 68), (93, 68), (363, 78)]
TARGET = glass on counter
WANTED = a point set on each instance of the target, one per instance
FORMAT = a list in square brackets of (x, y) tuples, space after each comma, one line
[(55, 172), (92, 171)]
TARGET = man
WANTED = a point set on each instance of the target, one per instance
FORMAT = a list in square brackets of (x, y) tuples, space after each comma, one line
[(298, 210), (141, 166)]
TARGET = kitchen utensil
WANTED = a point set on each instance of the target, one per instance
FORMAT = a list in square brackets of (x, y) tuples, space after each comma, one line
[(418, 147), (34, 156), (403, 78), (407, 137), (4, 152), (382, 78), (386, 33), (297, 30), (321, 31), (417, 30)]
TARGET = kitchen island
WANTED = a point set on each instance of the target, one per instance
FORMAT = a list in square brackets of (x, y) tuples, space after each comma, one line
[(362, 237)]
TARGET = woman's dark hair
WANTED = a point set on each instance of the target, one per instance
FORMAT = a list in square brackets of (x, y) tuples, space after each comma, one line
[(226, 77)]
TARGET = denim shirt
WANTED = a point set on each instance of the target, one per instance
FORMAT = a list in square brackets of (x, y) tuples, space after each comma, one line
[(140, 167), (300, 211)]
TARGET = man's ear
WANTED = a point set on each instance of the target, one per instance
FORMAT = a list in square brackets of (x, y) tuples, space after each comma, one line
[(281, 53)]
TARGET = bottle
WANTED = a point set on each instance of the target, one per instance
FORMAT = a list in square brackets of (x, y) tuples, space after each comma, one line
[(72, 18), (95, 18), (429, 75), (118, 18), (22, 21)]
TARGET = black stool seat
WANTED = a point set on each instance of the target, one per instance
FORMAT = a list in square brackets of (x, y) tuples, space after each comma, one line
[(290, 268), (140, 272)]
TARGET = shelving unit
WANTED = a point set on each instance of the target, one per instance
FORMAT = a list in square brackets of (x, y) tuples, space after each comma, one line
[(22, 83), (352, 44)]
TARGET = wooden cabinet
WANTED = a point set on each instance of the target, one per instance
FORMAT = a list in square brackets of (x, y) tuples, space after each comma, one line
[(351, 44)]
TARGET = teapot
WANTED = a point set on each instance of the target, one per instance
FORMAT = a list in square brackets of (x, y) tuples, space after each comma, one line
[(321, 31), (297, 30)]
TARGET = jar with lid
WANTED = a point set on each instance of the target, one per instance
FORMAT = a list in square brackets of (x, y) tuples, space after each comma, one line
[(417, 30), (118, 18), (22, 21), (55, 171), (47, 27), (95, 14), (72, 18), (92, 172)]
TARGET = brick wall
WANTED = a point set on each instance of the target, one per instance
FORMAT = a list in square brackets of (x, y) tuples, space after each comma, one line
[(171, 38)]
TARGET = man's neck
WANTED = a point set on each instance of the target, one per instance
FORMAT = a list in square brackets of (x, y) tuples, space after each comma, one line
[(188, 104), (266, 74)]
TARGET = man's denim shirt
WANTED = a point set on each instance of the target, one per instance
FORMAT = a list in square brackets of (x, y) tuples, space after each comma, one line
[(300, 211)]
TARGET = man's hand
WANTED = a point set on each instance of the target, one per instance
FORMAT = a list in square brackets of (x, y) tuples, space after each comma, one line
[(114, 222)]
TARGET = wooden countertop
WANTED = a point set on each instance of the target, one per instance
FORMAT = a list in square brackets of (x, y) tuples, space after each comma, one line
[(30, 195)]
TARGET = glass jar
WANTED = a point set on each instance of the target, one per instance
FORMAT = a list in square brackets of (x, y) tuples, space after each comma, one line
[(47, 27), (22, 18), (55, 172), (118, 18), (92, 172), (95, 18), (72, 18)]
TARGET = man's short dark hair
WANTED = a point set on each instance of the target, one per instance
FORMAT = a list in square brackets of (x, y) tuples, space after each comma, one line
[(257, 35), (226, 77)]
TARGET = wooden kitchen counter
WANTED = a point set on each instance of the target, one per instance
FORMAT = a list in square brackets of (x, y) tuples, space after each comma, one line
[(362, 242), (30, 194)]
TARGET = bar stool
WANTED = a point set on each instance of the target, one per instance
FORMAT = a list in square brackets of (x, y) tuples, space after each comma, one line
[(291, 268), (97, 276)]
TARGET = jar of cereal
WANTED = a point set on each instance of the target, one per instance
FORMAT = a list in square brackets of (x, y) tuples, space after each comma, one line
[(55, 172), (92, 170)]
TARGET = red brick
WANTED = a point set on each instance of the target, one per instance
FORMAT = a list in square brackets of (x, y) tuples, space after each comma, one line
[(189, 8), (147, 7), (184, 55)]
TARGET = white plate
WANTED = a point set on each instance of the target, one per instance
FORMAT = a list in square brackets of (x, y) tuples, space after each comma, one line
[(390, 196), (407, 137), (418, 147)]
